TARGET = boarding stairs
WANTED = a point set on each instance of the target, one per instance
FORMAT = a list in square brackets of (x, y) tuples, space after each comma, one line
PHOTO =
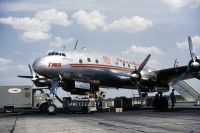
[(187, 92)]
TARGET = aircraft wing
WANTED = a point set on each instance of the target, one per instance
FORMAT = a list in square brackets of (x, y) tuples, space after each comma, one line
[(171, 74)]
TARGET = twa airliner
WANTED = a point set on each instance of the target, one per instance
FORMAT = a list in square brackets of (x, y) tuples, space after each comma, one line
[(68, 69)]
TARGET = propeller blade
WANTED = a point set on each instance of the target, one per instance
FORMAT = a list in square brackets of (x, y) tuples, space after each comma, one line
[(29, 77), (30, 68), (192, 52), (143, 63)]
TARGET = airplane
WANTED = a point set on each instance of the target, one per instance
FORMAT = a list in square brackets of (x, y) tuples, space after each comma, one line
[(68, 69)]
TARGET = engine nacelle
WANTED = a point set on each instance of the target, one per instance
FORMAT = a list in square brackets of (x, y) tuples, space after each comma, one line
[(149, 75), (145, 80), (145, 85), (194, 65)]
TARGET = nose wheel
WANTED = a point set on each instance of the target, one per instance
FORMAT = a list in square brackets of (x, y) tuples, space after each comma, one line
[(51, 109)]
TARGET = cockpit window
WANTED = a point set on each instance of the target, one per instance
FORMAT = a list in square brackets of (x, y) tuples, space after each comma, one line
[(51, 53), (63, 54), (56, 53)]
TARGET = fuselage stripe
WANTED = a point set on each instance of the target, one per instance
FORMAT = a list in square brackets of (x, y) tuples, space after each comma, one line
[(100, 66)]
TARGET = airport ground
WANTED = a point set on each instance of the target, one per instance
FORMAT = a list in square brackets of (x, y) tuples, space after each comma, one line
[(182, 120)]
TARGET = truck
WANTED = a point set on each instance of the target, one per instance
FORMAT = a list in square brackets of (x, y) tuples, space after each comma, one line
[(83, 105), (22, 97)]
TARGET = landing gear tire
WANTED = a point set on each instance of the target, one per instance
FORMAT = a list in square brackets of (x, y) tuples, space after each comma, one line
[(85, 110), (51, 109), (8, 109), (43, 107), (66, 110)]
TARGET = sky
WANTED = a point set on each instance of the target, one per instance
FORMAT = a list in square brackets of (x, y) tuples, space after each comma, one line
[(29, 29)]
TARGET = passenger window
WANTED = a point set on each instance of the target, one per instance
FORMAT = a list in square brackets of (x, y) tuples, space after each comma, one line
[(97, 61), (88, 59), (128, 65), (123, 64), (80, 61), (56, 53), (63, 54), (116, 63)]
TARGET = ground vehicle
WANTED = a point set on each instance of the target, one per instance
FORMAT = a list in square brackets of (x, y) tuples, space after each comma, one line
[(102, 105), (84, 105), (22, 97)]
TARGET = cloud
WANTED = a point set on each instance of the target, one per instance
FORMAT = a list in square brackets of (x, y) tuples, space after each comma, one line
[(184, 44), (53, 16), (26, 24), (4, 61), (143, 50), (37, 28), (34, 36), (177, 4), (94, 20), (8, 65), (91, 20), (132, 24)]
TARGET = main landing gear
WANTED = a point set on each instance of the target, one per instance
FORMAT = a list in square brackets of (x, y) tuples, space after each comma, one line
[(51, 107)]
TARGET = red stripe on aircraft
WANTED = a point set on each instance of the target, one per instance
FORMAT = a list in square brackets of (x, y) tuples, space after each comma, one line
[(100, 66)]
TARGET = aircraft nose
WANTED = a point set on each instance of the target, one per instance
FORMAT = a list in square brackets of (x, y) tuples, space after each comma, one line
[(38, 65)]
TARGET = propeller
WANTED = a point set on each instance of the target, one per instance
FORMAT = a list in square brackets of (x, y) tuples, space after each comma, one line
[(193, 66), (136, 75), (31, 71), (34, 77)]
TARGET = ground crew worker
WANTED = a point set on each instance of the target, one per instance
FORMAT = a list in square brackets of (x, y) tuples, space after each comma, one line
[(156, 101), (172, 96)]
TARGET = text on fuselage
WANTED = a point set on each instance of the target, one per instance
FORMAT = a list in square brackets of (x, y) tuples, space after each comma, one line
[(54, 65)]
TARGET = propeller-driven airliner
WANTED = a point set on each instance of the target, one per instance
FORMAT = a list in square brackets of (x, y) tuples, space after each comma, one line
[(95, 70)]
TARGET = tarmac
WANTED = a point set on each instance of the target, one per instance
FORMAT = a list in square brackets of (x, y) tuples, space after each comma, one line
[(136, 121)]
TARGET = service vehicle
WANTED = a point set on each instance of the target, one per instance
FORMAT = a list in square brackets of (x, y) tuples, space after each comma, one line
[(83, 105), (22, 97)]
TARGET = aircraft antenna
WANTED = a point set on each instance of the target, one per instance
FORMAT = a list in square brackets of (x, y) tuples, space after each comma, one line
[(83, 48), (75, 45), (64, 47)]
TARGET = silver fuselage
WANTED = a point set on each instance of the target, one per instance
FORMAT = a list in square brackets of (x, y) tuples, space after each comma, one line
[(106, 70)]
